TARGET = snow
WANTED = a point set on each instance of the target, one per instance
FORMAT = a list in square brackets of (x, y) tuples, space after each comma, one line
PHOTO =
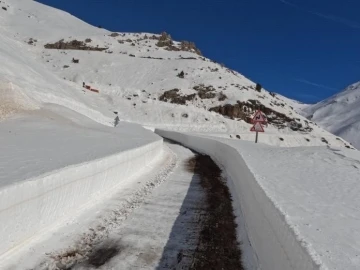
[(300, 209), (155, 233), (139, 218), (298, 106), (32, 76), (58, 164), (63, 154), (339, 114), (54, 138)]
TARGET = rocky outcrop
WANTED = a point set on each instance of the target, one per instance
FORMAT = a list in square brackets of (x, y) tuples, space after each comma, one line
[(32, 41), (244, 111), (164, 40), (181, 75), (173, 96), (167, 43), (258, 87), (190, 47), (222, 96), (233, 111), (205, 92), (72, 45), (114, 35)]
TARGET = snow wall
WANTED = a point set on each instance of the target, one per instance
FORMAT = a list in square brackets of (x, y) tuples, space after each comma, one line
[(34, 206), (272, 244)]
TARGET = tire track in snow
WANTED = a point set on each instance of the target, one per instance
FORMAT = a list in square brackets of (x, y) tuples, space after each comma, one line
[(187, 223), (85, 246)]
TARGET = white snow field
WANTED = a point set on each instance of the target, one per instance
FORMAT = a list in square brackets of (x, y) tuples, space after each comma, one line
[(58, 162), (300, 205), (339, 114), (131, 75), (297, 206), (141, 220)]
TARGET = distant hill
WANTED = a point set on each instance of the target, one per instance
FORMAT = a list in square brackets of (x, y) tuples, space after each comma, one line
[(339, 114)]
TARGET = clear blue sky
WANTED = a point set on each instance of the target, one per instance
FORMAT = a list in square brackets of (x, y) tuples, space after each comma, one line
[(304, 49)]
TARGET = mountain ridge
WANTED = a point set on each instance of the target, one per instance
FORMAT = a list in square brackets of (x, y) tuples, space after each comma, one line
[(50, 54), (339, 114)]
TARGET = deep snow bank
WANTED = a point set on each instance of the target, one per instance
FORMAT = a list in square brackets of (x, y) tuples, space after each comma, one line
[(63, 166), (269, 242), (30, 207)]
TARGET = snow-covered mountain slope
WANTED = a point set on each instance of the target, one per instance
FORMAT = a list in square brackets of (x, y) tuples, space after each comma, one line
[(298, 106), (47, 55), (339, 114)]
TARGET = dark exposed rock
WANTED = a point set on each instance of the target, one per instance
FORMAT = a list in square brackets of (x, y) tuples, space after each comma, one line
[(222, 96), (187, 58), (189, 46), (4, 8), (164, 40), (72, 45), (232, 111), (114, 35), (32, 41), (244, 110), (205, 92), (173, 96), (295, 126), (88, 40), (149, 57), (181, 75), (185, 115), (258, 87), (324, 140)]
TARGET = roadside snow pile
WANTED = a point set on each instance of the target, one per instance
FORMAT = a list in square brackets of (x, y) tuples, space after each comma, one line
[(339, 114), (58, 164), (13, 101), (300, 209)]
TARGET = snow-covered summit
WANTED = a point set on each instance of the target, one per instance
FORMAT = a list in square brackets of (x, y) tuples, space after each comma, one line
[(339, 114), (48, 55)]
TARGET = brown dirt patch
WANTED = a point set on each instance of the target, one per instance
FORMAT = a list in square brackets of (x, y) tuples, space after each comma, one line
[(102, 255), (217, 246)]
